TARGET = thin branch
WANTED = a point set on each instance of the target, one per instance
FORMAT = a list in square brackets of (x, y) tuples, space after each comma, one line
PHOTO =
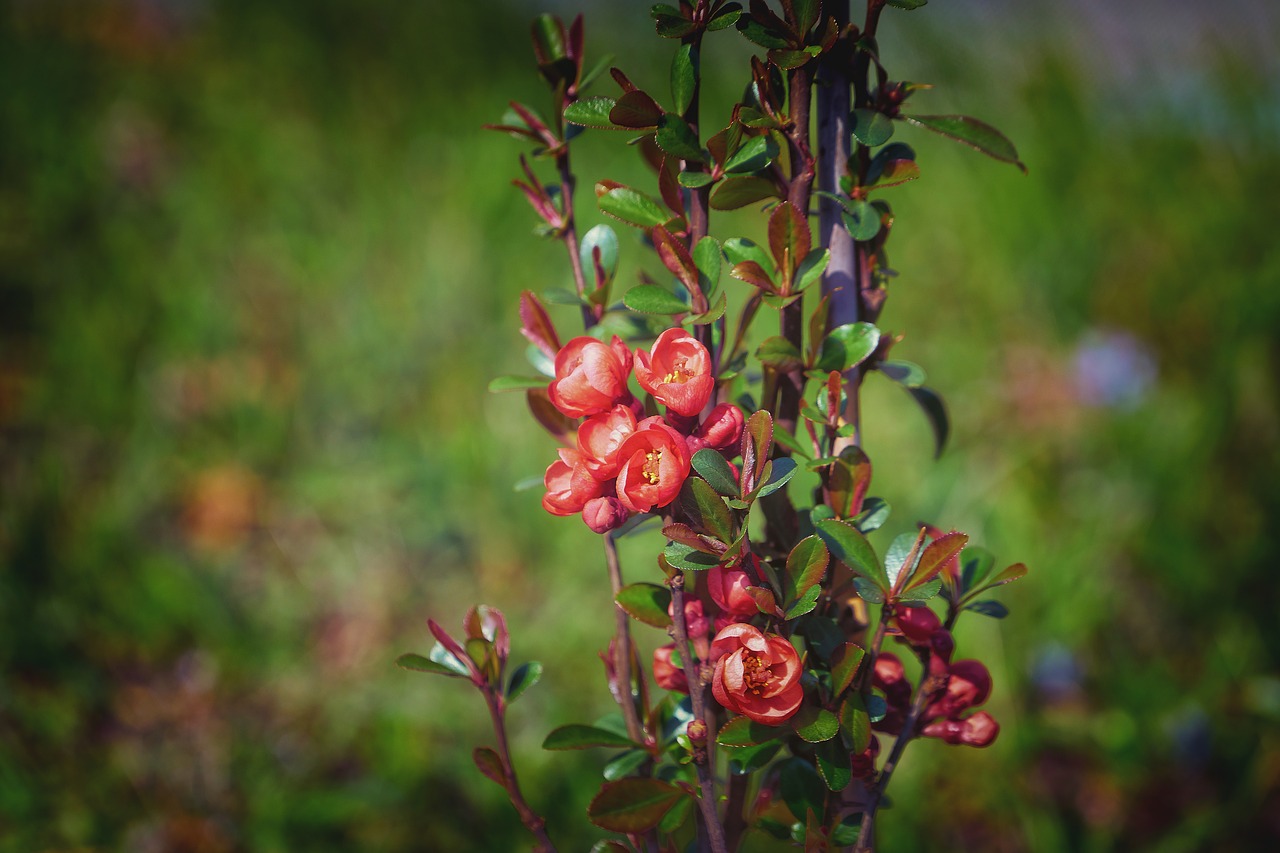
[(569, 234), (697, 698), (531, 819), (622, 648)]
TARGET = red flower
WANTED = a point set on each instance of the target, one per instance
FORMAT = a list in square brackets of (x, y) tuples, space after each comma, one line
[(728, 589), (968, 685), (676, 371), (890, 677), (653, 463), (978, 730), (590, 377), (668, 675), (721, 429), (604, 513), (915, 624), (599, 438), (569, 484), (757, 674)]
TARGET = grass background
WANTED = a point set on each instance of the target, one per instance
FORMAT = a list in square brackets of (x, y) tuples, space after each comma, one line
[(258, 263)]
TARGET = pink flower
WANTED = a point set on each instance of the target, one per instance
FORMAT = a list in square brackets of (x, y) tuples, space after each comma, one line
[(756, 674), (599, 438), (604, 513), (668, 675), (728, 589), (677, 372), (653, 463), (978, 730), (590, 377), (569, 484)]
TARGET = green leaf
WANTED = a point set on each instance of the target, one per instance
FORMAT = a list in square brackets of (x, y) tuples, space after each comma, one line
[(845, 666), (802, 789), (755, 154), (756, 447), (516, 383), (847, 345), (1012, 573), (789, 59), (833, 765), (789, 238), (896, 172), (977, 563), (439, 654), (735, 192), (805, 603), (686, 558), (684, 77), (675, 137), (744, 731), (935, 556), (578, 736), (811, 268), (900, 550), (604, 238), (739, 250), (624, 764), (525, 676), (936, 411), (924, 592), (677, 817), (548, 39), (693, 180), (862, 220), (905, 373), (591, 112), (700, 500), (871, 127), (989, 607), (633, 805), (852, 548), (726, 17), (868, 591), (784, 468), (748, 759), (855, 724), (846, 832), (488, 762), (712, 467), (418, 663), (632, 207), (815, 725), (782, 437), (762, 35), (646, 602), (806, 565), (710, 316), (875, 512), (777, 352), (636, 110), (708, 258), (654, 299), (971, 132)]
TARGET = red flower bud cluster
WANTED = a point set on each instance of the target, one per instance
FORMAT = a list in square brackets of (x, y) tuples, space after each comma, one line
[(955, 687), (623, 464)]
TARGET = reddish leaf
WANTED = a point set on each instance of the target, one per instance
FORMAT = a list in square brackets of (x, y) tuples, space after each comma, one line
[(490, 764), (669, 185), (847, 481), (752, 273), (633, 805), (789, 240), (936, 556), (536, 325), (563, 429), (635, 109), (676, 258), (485, 622)]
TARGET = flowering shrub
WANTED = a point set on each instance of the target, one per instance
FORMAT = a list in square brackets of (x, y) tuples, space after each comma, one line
[(778, 687)]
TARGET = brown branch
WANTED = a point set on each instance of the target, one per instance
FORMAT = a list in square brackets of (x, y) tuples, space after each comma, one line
[(534, 822), (622, 648), (569, 234)]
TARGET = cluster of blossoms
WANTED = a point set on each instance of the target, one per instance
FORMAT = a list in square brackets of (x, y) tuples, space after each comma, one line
[(625, 462)]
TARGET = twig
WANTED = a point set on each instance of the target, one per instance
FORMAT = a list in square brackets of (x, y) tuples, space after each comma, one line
[(622, 646), (531, 819)]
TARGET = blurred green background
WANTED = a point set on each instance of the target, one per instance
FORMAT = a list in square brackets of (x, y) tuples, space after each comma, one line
[(258, 263)]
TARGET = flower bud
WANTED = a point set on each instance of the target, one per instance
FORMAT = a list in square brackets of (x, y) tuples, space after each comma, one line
[(665, 673), (604, 513), (722, 428), (978, 730)]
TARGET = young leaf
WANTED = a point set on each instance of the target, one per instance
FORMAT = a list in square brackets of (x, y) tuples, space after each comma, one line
[(903, 555), (905, 373), (636, 110), (605, 239), (693, 180), (871, 127), (699, 499), (633, 805), (936, 411), (971, 132), (591, 112), (855, 724), (536, 325), (675, 137), (418, 663), (806, 566), (755, 154), (622, 766), (924, 592), (646, 602), (977, 564), (735, 192), (847, 481), (712, 467), (989, 607), (753, 274), (847, 345), (935, 556), (789, 239), (851, 548), (805, 603), (632, 207), (868, 591), (525, 676), (578, 736), (875, 512), (683, 557), (740, 250), (654, 299), (783, 469), (684, 77), (743, 731), (1012, 573), (490, 764), (758, 437), (862, 219), (811, 268), (708, 259)]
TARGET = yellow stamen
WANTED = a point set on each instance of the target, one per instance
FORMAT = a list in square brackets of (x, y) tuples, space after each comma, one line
[(651, 470)]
